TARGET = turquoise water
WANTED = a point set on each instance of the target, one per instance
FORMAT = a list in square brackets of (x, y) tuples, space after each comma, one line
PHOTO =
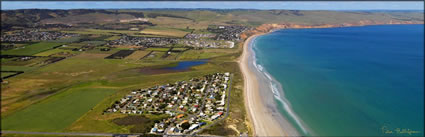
[(353, 81)]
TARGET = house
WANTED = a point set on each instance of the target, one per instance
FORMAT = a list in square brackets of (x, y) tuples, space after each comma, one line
[(153, 130), (193, 126), (220, 108), (202, 114), (186, 96), (184, 121), (214, 117), (134, 29), (179, 116)]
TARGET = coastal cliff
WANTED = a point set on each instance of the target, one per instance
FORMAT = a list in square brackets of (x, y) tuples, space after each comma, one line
[(266, 28)]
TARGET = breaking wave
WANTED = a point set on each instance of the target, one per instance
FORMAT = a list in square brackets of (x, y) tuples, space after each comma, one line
[(277, 89)]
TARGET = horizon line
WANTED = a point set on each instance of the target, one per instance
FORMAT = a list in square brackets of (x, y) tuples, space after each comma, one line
[(215, 9)]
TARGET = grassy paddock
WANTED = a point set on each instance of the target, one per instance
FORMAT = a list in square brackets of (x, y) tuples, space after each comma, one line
[(54, 51), (57, 112), (138, 55), (113, 38), (205, 53), (15, 68), (101, 32), (32, 49), (158, 49), (5, 74)]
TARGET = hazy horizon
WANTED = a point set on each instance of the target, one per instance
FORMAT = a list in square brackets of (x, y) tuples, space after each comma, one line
[(270, 5)]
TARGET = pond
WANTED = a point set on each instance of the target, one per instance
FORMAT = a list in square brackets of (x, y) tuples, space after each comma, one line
[(184, 65)]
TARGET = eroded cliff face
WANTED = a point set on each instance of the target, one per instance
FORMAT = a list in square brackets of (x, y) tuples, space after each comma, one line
[(266, 28)]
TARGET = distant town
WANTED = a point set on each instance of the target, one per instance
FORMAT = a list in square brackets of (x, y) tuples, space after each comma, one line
[(220, 37)]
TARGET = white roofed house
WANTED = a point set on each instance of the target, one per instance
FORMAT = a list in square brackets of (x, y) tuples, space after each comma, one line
[(193, 126), (222, 102)]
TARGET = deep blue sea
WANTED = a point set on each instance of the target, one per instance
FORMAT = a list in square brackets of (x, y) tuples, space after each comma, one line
[(351, 81)]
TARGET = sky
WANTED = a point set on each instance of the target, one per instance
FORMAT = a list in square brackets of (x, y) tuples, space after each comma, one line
[(318, 5)]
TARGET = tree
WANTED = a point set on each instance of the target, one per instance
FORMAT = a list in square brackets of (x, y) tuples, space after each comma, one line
[(162, 106), (186, 125)]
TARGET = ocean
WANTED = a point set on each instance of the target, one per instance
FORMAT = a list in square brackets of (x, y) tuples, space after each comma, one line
[(350, 81)]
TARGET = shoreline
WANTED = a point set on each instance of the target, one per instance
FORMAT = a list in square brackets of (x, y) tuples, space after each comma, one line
[(266, 120), (264, 117)]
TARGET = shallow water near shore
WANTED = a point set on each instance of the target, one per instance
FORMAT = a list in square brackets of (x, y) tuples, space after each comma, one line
[(353, 81)]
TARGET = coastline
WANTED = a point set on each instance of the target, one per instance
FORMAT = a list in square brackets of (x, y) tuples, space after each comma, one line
[(261, 106), (265, 120)]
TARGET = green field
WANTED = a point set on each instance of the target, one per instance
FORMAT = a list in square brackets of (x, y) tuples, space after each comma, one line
[(5, 74), (93, 43), (67, 40), (179, 49), (57, 112), (113, 38), (204, 54), (156, 55), (32, 49), (101, 32), (158, 49), (137, 55), (55, 51), (15, 68), (27, 63)]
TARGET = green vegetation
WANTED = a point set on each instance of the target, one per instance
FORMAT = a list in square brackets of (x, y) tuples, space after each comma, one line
[(67, 40), (156, 55), (172, 56), (57, 112), (179, 49), (139, 124), (15, 68), (101, 32), (38, 135), (93, 43), (113, 38), (71, 95), (137, 55), (158, 49), (29, 63), (55, 51), (32, 49), (5, 74), (204, 54)]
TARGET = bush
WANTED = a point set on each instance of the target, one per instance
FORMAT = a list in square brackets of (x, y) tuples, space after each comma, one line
[(186, 125)]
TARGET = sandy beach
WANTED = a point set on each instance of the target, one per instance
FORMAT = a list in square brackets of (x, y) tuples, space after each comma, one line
[(259, 100)]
